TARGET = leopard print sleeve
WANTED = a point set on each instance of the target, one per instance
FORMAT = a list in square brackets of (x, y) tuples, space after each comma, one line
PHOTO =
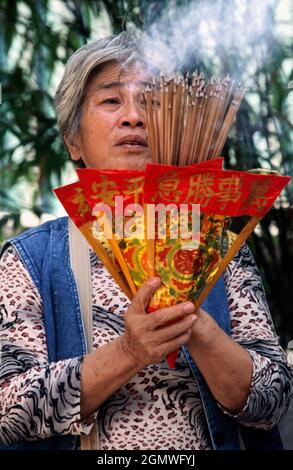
[(37, 399), (252, 327)]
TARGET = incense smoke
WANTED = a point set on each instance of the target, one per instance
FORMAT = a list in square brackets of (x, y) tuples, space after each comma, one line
[(205, 33)]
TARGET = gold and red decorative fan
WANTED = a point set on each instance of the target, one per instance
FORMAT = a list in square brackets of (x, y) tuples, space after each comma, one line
[(115, 211)]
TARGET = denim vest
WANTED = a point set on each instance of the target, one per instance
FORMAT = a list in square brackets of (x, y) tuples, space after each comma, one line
[(45, 253)]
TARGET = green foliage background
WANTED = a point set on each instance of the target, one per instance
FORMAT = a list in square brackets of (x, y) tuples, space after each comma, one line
[(36, 39)]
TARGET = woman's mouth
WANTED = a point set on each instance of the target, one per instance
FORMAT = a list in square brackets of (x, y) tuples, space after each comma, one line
[(133, 142), (133, 147)]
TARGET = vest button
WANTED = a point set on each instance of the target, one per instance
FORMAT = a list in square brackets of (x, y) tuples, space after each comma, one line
[(219, 439)]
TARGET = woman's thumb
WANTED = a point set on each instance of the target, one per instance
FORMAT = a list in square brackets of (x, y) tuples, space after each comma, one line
[(145, 293)]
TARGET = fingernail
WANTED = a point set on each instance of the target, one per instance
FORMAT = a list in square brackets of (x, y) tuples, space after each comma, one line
[(193, 317), (155, 281), (188, 308)]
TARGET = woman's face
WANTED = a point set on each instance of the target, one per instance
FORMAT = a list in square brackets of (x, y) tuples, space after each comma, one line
[(113, 124)]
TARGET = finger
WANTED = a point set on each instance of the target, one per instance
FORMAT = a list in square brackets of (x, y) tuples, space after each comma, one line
[(170, 314), (143, 296), (176, 343), (167, 333)]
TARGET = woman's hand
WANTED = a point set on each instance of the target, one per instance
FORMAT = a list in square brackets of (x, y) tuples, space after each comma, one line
[(149, 337)]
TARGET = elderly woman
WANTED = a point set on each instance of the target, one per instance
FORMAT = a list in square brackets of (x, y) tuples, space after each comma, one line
[(52, 390)]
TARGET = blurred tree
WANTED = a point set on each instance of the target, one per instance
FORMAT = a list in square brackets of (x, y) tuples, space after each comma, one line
[(249, 40)]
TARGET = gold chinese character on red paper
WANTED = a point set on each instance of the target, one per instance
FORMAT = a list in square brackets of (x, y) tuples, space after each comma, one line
[(257, 194), (168, 188), (135, 188), (229, 190), (80, 200), (105, 191), (201, 189)]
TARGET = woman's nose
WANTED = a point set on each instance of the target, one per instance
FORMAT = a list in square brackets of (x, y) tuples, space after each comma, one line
[(133, 115)]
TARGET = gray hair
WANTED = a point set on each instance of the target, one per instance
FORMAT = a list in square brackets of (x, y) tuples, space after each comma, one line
[(125, 48)]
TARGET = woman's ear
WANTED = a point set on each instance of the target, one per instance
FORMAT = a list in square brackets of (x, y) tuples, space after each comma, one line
[(73, 146)]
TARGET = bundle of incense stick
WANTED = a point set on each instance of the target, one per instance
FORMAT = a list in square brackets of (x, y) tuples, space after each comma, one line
[(189, 118)]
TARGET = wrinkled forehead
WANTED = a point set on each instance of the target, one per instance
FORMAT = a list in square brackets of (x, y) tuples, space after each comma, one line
[(113, 75)]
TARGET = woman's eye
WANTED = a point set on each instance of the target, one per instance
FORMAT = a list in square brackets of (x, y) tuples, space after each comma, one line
[(111, 101)]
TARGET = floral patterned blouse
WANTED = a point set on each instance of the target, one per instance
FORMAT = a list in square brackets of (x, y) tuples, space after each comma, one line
[(159, 408)]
